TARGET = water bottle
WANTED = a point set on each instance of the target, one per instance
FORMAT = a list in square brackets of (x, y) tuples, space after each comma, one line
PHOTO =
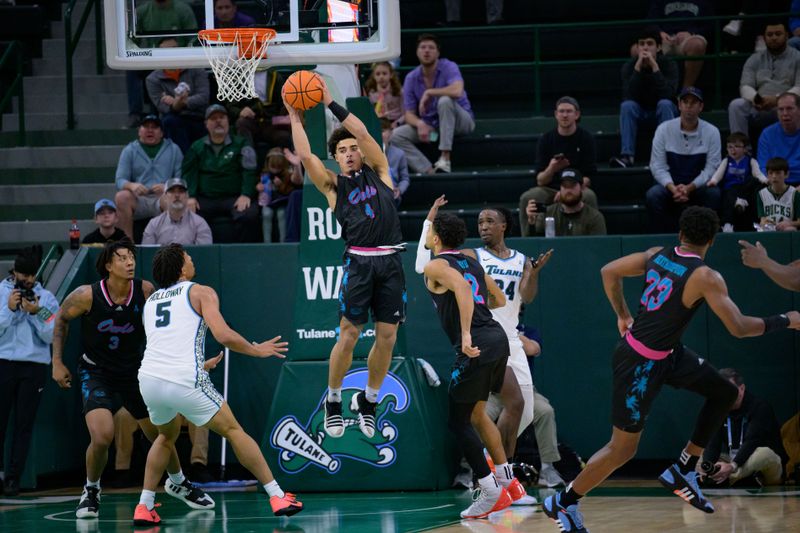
[(549, 227), (74, 235), (430, 374)]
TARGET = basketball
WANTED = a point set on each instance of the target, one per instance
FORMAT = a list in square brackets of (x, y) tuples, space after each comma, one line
[(303, 89)]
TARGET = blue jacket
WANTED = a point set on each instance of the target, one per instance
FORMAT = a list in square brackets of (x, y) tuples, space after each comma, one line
[(26, 337), (685, 157), (135, 165)]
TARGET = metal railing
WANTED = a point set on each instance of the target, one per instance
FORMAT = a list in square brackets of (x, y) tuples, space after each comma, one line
[(55, 252), (71, 43), (538, 64), (14, 51)]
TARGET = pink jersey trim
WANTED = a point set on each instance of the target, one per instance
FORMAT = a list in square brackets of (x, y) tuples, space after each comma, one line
[(644, 351), (108, 296), (683, 254)]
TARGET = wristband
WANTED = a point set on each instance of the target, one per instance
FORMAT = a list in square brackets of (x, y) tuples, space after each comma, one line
[(338, 111), (775, 322)]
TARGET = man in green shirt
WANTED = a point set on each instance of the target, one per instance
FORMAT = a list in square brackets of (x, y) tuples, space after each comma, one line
[(220, 170), (572, 216)]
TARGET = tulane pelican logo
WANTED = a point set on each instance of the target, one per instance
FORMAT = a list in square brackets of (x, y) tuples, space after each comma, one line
[(300, 447)]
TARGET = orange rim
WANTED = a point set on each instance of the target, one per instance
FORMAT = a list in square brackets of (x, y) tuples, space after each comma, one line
[(242, 37)]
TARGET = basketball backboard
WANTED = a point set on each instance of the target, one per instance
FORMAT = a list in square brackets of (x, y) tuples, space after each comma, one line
[(309, 32)]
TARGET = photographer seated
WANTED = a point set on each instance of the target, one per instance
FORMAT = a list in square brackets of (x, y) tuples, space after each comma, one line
[(748, 444), (571, 213)]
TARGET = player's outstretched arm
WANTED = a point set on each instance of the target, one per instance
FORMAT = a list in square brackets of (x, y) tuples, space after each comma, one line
[(206, 302), (441, 275), (423, 254), (529, 286), (371, 150), (78, 302), (613, 273), (786, 276), (322, 178), (715, 291)]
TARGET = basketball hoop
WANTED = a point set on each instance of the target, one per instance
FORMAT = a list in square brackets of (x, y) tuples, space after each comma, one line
[(234, 54)]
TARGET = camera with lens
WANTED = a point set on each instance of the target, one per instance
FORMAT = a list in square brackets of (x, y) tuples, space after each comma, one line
[(709, 468), (25, 292)]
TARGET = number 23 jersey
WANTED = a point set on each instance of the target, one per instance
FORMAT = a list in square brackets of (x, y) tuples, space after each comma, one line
[(662, 317)]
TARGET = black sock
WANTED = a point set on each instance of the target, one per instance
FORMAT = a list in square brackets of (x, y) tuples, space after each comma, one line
[(687, 463), (570, 497)]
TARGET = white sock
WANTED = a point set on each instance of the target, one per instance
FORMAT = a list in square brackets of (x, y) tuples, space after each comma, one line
[(488, 483), (504, 474), (372, 394), (335, 395), (148, 499), (177, 478), (273, 489), (94, 484)]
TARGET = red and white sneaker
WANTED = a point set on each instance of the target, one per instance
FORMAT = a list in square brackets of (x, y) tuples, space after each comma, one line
[(286, 506), (142, 516), (519, 495), (487, 502)]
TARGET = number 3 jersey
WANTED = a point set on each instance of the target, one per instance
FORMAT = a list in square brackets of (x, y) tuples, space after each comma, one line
[(662, 317), (507, 273), (112, 334), (176, 337)]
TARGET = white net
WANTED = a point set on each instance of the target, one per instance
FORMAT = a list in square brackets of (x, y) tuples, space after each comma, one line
[(234, 56)]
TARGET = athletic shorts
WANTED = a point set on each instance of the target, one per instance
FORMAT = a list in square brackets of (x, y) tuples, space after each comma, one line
[(101, 390), (473, 379), (165, 400), (376, 283), (147, 206), (638, 380)]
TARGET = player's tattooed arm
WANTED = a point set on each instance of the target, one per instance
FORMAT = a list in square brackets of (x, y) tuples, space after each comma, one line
[(76, 304), (148, 289)]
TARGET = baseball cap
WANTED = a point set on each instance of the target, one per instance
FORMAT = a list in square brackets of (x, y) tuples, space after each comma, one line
[(693, 91), (104, 202), (26, 263), (151, 118), (176, 182), (571, 174), (215, 108)]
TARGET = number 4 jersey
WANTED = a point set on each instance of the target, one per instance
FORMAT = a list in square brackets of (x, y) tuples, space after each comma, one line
[(175, 337), (662, 317)]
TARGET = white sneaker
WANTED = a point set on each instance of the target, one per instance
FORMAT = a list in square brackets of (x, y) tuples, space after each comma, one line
[(486, 501), (742, 203), (442, 165), (525, 500), (727, 228), (549, 477), (734, 27)]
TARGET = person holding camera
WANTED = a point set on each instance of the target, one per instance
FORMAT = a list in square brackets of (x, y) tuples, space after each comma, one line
[(26, 331), (571, 214)]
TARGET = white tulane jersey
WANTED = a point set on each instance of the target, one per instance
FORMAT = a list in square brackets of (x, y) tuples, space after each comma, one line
[(176, 337), (507, 273)]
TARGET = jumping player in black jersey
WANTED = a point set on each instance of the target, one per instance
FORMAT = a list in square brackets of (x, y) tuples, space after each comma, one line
[(361, 196), (463, 294), (650, 354), (113, 337)]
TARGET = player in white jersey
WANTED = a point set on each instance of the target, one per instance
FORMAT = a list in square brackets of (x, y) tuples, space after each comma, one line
[(173, 381)]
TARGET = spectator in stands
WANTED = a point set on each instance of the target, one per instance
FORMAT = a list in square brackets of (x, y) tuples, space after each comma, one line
[(398, 165), (783, 139), (220, 170), (282, 174), (263, 119), (572, 215), (739, 178), (26, 332), (385, 92), (144, 166), (227, 15), (436, 107), (684, 38), (180, 96), (153, 17), (778, 204), (649, 84), (105, 216), (749, 443), (686, 152), (494, 12), (177, 223), (794, 25), (765, 76), (566, 146)]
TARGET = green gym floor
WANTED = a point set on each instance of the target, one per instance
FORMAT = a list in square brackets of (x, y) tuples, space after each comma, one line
[(616, 507)]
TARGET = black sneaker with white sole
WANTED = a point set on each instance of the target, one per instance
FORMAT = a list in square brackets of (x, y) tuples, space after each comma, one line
[(89, 506), (334, 423), (621, 161), (366, 413), (192, 496)]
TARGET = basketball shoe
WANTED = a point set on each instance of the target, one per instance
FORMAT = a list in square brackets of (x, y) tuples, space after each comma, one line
[(334, 423), (190, 495), (366, 413), (142, 516), (567, 518), (89, 505), (286, 506), (685, 487), (487, 501), (519, 496)]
